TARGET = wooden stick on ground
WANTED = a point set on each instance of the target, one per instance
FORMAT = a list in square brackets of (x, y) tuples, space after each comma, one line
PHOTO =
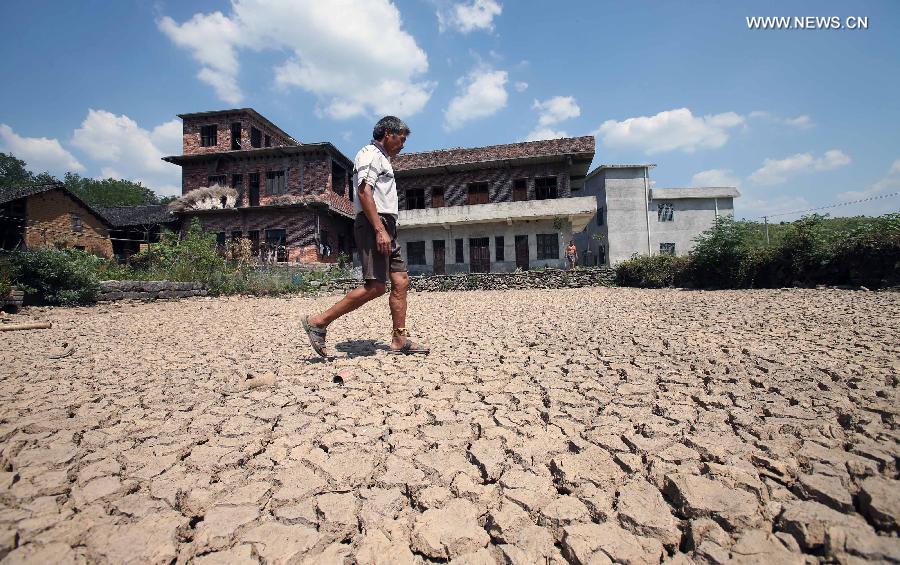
[(25, 326)]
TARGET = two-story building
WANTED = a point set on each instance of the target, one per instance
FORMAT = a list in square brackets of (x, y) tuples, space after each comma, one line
[(494, 208), (635, 217), (292, 198)]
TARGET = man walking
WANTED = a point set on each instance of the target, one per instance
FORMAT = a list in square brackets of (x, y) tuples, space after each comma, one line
[(375, 231)]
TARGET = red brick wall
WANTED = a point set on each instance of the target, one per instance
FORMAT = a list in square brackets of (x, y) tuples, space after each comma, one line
[(307, 175), (49, 216), (500, 181), (299, 224), (191, 133)]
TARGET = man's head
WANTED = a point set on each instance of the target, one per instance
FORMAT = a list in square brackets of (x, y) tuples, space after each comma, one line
[(391, 132)]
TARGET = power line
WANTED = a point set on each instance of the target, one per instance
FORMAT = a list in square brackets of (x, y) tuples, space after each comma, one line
[(849, 202)]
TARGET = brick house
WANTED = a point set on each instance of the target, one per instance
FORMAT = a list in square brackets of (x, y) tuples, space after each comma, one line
[(494, 208), (294, 199), (49, 215)]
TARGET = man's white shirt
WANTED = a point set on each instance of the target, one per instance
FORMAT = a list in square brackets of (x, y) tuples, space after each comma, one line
[(374, 168)]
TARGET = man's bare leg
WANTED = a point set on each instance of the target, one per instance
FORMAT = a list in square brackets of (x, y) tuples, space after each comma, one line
[(350, 302), (397, 302)]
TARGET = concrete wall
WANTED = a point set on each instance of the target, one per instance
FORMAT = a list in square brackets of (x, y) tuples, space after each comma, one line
[(626, 212), (691, 217), (49, 217), (489, 230), (585, 240)]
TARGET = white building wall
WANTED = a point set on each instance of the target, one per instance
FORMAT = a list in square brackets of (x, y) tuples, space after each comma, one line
[(691, 217), (509, 231)]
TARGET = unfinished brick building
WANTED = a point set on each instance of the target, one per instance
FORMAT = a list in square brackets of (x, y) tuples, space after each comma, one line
[(293, 199), (493, 208)]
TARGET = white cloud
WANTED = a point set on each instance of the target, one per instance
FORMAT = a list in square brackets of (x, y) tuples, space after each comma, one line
[(800, 122), (669, 131), (483, 93), (550, 112), (130, 151), (890, 183), (355, 65), (776, 171), (466, 17), (715, 177), (212, 40), (545, 133), (39, 153), (521, 86), (556, 109)]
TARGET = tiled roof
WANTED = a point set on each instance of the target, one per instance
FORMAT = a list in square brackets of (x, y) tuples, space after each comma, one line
[(121, 216), (507, 152), (16, 192)]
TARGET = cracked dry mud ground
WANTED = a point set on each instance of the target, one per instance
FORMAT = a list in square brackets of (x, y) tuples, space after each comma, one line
[(571, 426)]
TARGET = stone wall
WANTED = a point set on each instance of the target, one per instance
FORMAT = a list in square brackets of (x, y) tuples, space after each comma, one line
[(149, 290), (545, 278)]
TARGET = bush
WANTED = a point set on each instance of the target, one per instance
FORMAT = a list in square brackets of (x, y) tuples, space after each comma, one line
[(657, 271), (66, 277), (722, 255), (193, 258), (870, 254)]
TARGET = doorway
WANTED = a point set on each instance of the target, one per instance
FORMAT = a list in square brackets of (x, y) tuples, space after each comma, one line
[(479, 255), (440, 257), (522, 252)]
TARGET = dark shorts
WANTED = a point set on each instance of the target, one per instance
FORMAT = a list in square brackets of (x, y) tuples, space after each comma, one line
[(376, 266)]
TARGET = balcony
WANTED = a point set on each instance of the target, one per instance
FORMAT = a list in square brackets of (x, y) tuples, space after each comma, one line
[(578, 211)]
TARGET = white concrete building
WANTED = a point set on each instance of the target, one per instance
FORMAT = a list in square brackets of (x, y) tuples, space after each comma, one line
[(633, 217)]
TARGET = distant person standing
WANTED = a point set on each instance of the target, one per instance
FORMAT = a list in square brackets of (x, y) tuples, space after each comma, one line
[(375, 232), (571, 254)]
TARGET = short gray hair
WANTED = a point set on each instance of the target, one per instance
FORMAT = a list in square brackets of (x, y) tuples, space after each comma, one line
[(389, 124)]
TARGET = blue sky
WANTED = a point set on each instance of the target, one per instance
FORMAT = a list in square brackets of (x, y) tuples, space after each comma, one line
[(796, 118)]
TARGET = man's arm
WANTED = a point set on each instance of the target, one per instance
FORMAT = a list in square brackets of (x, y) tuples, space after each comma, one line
[(367, 202)]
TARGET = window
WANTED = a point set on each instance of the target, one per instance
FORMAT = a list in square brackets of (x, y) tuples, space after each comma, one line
[(275, 242), (255, 138), (667, 249), (253, 236), (548, 246), (415, 252), (520, 190), (342, 244), (220, 239), (209, 136), (459, 250), (236, 234), (236, 136), (276, 182), (437, 197), (545, 188), (478, 193), (665, 212), (216, 179), (415, 199), (76, 223), (338, 178), (600, 211), (499, 252), (268, 141), (237, 182)]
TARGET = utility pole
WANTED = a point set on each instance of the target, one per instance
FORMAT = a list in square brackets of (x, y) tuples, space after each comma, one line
[(766, 220)]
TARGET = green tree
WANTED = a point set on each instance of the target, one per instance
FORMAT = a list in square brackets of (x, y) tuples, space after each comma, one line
[(14, 173), (109, 192)]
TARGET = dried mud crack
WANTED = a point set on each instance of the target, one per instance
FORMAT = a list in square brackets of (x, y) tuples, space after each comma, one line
[(572, 426)]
